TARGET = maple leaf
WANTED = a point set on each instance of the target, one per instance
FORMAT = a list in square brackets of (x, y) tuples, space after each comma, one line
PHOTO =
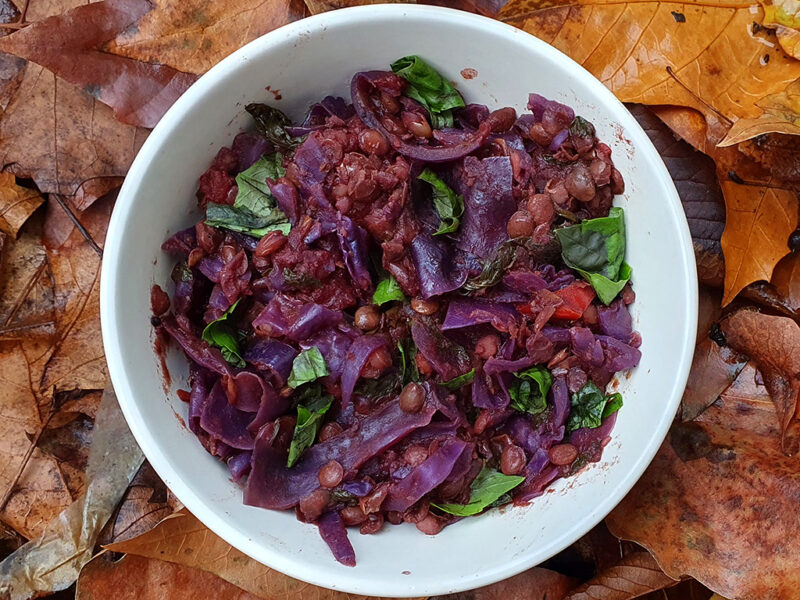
[(194, 35), (137, 578), (718, 502), (699, 55), (138, 92)]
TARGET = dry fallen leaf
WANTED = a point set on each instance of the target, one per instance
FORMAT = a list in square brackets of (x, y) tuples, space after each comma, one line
[(78, 361), (774, 344), (633, 576), (194, 35), (534, 584), (718, 502), (714, 368), (786, 279), (140, 93), (701, 55), (184, 540), (784, 17), (53, 561), (17, 204), (138, 578), (320, 6), (760, 214), (146, 503), (780, 115)]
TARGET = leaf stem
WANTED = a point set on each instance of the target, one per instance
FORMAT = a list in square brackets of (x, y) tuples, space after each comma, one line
[(86, 235)]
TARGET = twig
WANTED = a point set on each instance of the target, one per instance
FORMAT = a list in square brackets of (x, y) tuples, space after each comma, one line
[(698, 98), (18, 328), (20, 22), (86, 235)]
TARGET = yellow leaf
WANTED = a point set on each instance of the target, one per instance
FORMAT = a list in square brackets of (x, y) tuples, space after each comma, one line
[(781, 115), (759, 221), (704, 56), (16, 204)]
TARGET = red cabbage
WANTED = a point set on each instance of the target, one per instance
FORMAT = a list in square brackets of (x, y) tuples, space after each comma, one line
[(272, 485), (287, 198), (272, 406), (445, 403), (590, 441), (358, 489), (312, 318), (467, 312), (586, 347), (272, 356), (245, 390), (615, 321), (248, 148), (353, 243), (331, 528), (425, 477), (201, 384), (334, 345), (181, 243), (437, 267), (446, 357), (224, 422), (317, 117), (196, 349), (488, 204), (619, 356), (357, 355), (487, 393), (239, 465)]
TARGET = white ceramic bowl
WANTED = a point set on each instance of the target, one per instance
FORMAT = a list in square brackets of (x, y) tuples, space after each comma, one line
[(306, 61)]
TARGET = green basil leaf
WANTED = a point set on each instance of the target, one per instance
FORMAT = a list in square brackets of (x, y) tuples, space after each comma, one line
[(494, 268), (580, 127), (529, 391), (242, 220), (590, 406), (253, 192), (377, 389), (449, 205), (487, 488), (308, 366), (387, 290), (309, 419), (222, 334), (596, 249), (460, 381), (408, 362), (271, 125), (429, 88), (613, 404)]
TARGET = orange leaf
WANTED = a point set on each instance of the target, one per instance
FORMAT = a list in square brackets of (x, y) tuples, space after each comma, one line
[(320, 6), (16, 204), (700, 55), (184, 540), (781, 114), (194, 35), (137, 578), (759, 222), (786, 279)]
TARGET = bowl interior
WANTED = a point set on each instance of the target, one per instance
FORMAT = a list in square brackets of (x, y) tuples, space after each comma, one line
[(291, 68)]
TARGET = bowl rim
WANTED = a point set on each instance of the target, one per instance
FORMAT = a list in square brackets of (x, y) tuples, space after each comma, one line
[(351, 581)]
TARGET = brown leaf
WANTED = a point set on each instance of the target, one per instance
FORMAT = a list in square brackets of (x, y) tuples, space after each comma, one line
[(633, 576), (699, 55), (78, 361), (146, 503), (780, 154), (137, 578), (533, 584), (140, 93), (194, 35), (779, 116), (786, 279), (184, 540), (63, 138), (32, 480), (320, 6), (774, 344), (695, 178), (718, 503), (714, 368), (487, 8), (17, 204), (760, 215)]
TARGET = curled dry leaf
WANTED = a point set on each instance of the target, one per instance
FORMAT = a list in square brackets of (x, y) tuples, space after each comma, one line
[(534, 584), (184, 540), (718, 502), (780, 116), (17, 204), (714, 368), (140, 93), (146, 503), (194, 35), (633, 576), (78, 361), (786, 279), (52, 561), (774, 344), (138, 578), (700, 55)]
